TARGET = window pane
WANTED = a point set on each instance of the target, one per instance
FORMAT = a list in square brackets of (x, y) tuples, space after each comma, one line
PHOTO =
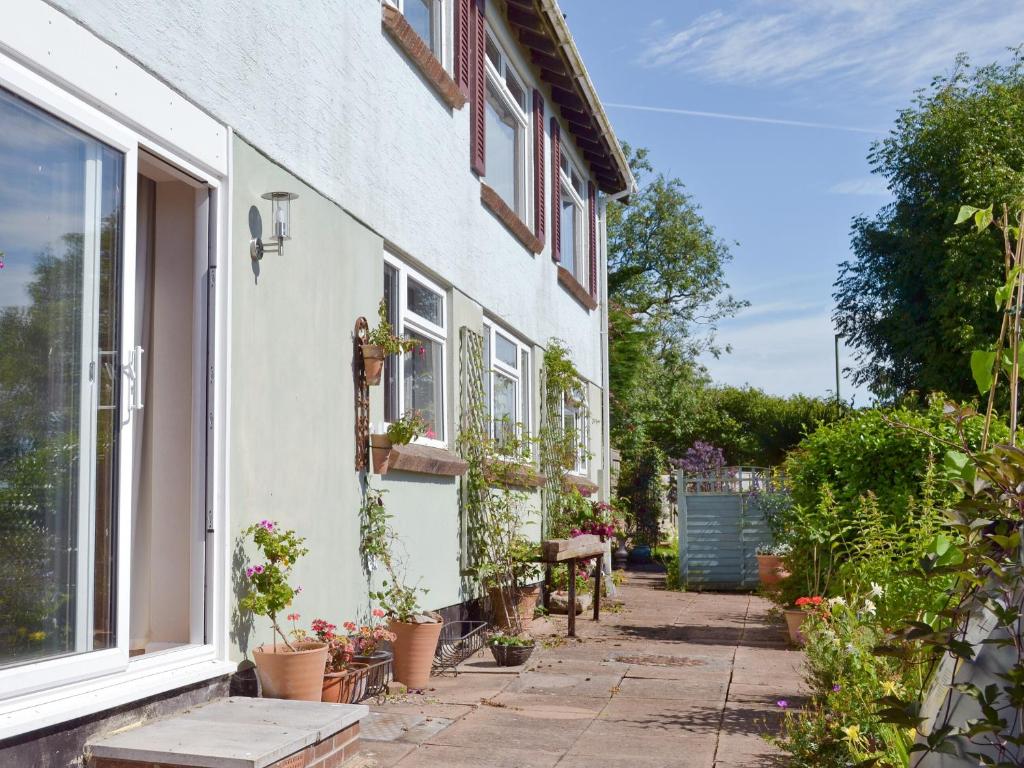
[(423, 383), (524, 383), (424, 302), (390, 377), (493, 53), (516, 90), (60, 225), (504, 408), (567, 231), (488, 364), (502, 149), (421, 17), (505, 350)]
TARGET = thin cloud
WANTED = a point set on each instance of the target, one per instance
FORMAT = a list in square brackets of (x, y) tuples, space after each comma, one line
[(871, 185), (745, 118), (876, 45)]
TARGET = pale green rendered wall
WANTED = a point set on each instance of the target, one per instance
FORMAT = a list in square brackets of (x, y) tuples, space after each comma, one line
[(291, 440)]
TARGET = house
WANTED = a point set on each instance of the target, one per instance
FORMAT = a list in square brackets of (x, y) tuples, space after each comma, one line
[(176, 345)]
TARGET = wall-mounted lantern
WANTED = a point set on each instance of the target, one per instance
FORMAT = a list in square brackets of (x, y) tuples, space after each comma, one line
[(281, 219)]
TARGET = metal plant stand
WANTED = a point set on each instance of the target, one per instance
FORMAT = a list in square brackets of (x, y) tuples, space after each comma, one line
[(458, 641)]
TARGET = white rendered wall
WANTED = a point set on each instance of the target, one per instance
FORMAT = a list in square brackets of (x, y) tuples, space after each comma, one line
[(322, 90)]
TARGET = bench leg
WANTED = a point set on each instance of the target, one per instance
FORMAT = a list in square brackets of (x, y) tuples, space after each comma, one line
[(597, 588), (546, 591), (572, 598)]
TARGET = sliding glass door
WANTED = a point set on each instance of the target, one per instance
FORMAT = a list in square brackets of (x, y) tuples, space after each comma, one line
[(62, 414)]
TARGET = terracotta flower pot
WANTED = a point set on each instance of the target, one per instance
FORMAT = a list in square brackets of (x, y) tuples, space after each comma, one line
[(526, 603), (795, 617), (380, 447), (287, 674), (771, 570), (414, 648), (346, 687), (373, 362)]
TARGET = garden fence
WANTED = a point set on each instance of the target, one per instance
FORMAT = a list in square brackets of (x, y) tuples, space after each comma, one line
[(721, 526)]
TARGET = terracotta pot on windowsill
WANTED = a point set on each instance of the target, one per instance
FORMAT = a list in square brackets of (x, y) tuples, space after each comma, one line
[(373, 362), (380, 447)]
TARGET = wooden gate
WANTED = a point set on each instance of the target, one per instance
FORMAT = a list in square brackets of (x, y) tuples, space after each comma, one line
[(721, 527)]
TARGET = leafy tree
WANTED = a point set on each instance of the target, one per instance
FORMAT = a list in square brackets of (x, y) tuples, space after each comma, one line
[(665, 264), (916, 297)]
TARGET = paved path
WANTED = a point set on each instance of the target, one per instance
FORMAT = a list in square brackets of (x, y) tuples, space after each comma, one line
[(674, 679)]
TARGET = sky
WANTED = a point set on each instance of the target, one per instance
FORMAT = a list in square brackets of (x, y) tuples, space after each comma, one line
[(766, 109)]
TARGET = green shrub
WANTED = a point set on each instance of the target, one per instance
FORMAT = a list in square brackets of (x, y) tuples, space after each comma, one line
[(840, 727)]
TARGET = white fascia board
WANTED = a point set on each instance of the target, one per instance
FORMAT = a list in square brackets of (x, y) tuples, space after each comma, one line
[(60, 49)]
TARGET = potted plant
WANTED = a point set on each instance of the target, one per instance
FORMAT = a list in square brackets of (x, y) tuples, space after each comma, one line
[(370, 646), (511, 650), (381, 342), (416, 631), (291, 669), (402, 431), (770, 567), (344, 680), (796, 616)]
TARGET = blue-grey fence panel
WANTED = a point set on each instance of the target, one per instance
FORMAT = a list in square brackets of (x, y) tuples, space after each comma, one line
[(719, 533)]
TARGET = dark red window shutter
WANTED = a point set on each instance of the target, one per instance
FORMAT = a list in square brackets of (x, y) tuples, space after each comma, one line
[(463, 44), (592, 206), (538, 165), (556, 192), (478, 91)]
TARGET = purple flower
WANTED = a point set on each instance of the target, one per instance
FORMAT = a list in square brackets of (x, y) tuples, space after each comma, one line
[(836, 688), (266, 525), (258, 569), (298, 590), (250, 571), (782, 703)]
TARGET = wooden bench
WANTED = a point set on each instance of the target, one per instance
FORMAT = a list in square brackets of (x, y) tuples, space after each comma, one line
[(568, 551)]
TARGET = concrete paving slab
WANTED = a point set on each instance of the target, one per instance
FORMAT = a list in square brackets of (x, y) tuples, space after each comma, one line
[(674, 679)]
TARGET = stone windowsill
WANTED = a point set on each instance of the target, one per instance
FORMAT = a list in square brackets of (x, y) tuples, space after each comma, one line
[(421, 56), (568, 281), (492, 200), (582, 484), (416, 458), (513, 474)]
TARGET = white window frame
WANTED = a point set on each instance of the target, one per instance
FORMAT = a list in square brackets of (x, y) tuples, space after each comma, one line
[(49, 691), (410, 321), (494, 366), (496, 79), (581, 264), (440, 17), (582, 428)]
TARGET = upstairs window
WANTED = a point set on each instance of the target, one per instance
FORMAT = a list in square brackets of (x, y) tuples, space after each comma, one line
[(426, 17), (573, 228), (415, 380), (506, 386), (506, 132)]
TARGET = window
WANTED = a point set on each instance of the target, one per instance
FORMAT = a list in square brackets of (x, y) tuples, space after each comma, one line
[(506, 131), (415, 380), (575, 423), (506, 385), (573, 229), (426, 17)]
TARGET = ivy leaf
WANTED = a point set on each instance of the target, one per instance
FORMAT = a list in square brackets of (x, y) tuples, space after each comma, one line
[(981, 369), (966, 211)]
